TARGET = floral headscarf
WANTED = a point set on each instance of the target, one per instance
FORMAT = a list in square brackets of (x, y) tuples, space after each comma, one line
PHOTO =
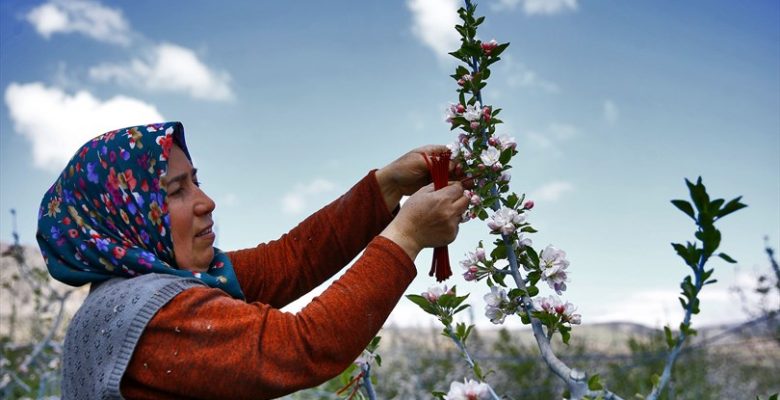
[(107, 216)]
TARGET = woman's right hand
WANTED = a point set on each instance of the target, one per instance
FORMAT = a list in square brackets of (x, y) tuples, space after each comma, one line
[(428, 219)]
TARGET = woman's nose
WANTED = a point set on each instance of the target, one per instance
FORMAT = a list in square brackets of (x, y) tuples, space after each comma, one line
[(204, 205)]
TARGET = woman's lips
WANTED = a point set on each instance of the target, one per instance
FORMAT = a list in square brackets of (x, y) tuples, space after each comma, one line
[(207, 233)]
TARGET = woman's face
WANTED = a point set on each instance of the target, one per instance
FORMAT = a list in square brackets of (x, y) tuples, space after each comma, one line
[(190, 211)]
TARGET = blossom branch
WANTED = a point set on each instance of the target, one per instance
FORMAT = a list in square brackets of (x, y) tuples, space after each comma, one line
[(366, 368), (469, 360)]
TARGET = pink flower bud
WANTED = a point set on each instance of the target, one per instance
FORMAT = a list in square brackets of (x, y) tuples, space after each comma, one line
[(528, 204), (474, 125), (489, 46), (468, 193), (475, 200), (493, 141), (460, 108), (497, 166), (461, 82), (470, 276), (480, 254)]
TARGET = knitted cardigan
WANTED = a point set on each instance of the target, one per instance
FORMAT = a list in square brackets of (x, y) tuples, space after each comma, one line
[(202, 344)]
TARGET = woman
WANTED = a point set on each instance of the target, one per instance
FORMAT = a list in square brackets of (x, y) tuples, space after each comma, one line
[(170, 316)]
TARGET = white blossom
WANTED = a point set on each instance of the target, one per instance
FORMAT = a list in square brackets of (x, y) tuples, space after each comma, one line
[(473, 258), (505, 142), (496, 297), (434, 292), (468, 390), (553, 264), (454, 148), (365, 359), (473, 112), (451, 112), (523, 241), (568, 314), (505, 221), (553, 305), (495, 300), (490, 157), (495, 315)]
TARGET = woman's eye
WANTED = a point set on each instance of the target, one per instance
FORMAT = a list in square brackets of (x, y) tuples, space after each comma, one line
[(197, 183), (175, 192)]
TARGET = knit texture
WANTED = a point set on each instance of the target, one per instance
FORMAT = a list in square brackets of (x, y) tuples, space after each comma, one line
[(104, 332)]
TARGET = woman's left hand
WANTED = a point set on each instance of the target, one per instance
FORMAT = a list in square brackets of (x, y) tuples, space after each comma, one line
[(408, 174)]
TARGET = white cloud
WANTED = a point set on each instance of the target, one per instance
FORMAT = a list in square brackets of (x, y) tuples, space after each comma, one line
[(81, 16), (520, 76), (551, 138), (168, 67), (58, 123), (537, 7), (657, 307), (296, 201), (611, 112), (433, 22), (552, 191)]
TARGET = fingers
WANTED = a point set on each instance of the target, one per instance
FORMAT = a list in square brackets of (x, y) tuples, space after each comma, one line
[(432, 148)]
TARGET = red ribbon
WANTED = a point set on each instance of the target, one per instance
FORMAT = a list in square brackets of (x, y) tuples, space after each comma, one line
[(439, 166)]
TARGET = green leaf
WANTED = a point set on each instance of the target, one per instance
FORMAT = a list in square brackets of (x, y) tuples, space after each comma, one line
[(478, 371), (594, 383), (378, 359), (499, 49), (730, 207), (532, 256), (499, 278), (534, 277), (688, 254), (533, 291), (710, 237), (498, 253), (529, 229), (699, 195), (505, 156), (715, 205), (511, 201), (461, 308), (423, 303), (685, 207), (565, 334), (669, 338), (655, 379), (727, 258)]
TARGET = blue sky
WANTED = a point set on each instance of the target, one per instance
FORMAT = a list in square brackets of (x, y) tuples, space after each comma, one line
[(287, 104)]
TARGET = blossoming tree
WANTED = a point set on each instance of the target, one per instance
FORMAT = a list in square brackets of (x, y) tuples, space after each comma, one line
[(485, 155), (509, 264)]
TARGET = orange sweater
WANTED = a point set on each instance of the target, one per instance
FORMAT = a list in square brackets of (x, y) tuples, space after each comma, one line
[(204, 344)]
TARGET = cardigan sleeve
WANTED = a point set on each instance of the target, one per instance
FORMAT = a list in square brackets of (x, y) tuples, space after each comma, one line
[(204, 344), (278, 272)]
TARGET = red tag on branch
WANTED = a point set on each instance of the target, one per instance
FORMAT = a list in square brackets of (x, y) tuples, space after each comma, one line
[(439, 166)]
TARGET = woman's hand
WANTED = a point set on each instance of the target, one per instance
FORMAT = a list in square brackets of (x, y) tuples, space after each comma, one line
[(428, 219), (407, 174)]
